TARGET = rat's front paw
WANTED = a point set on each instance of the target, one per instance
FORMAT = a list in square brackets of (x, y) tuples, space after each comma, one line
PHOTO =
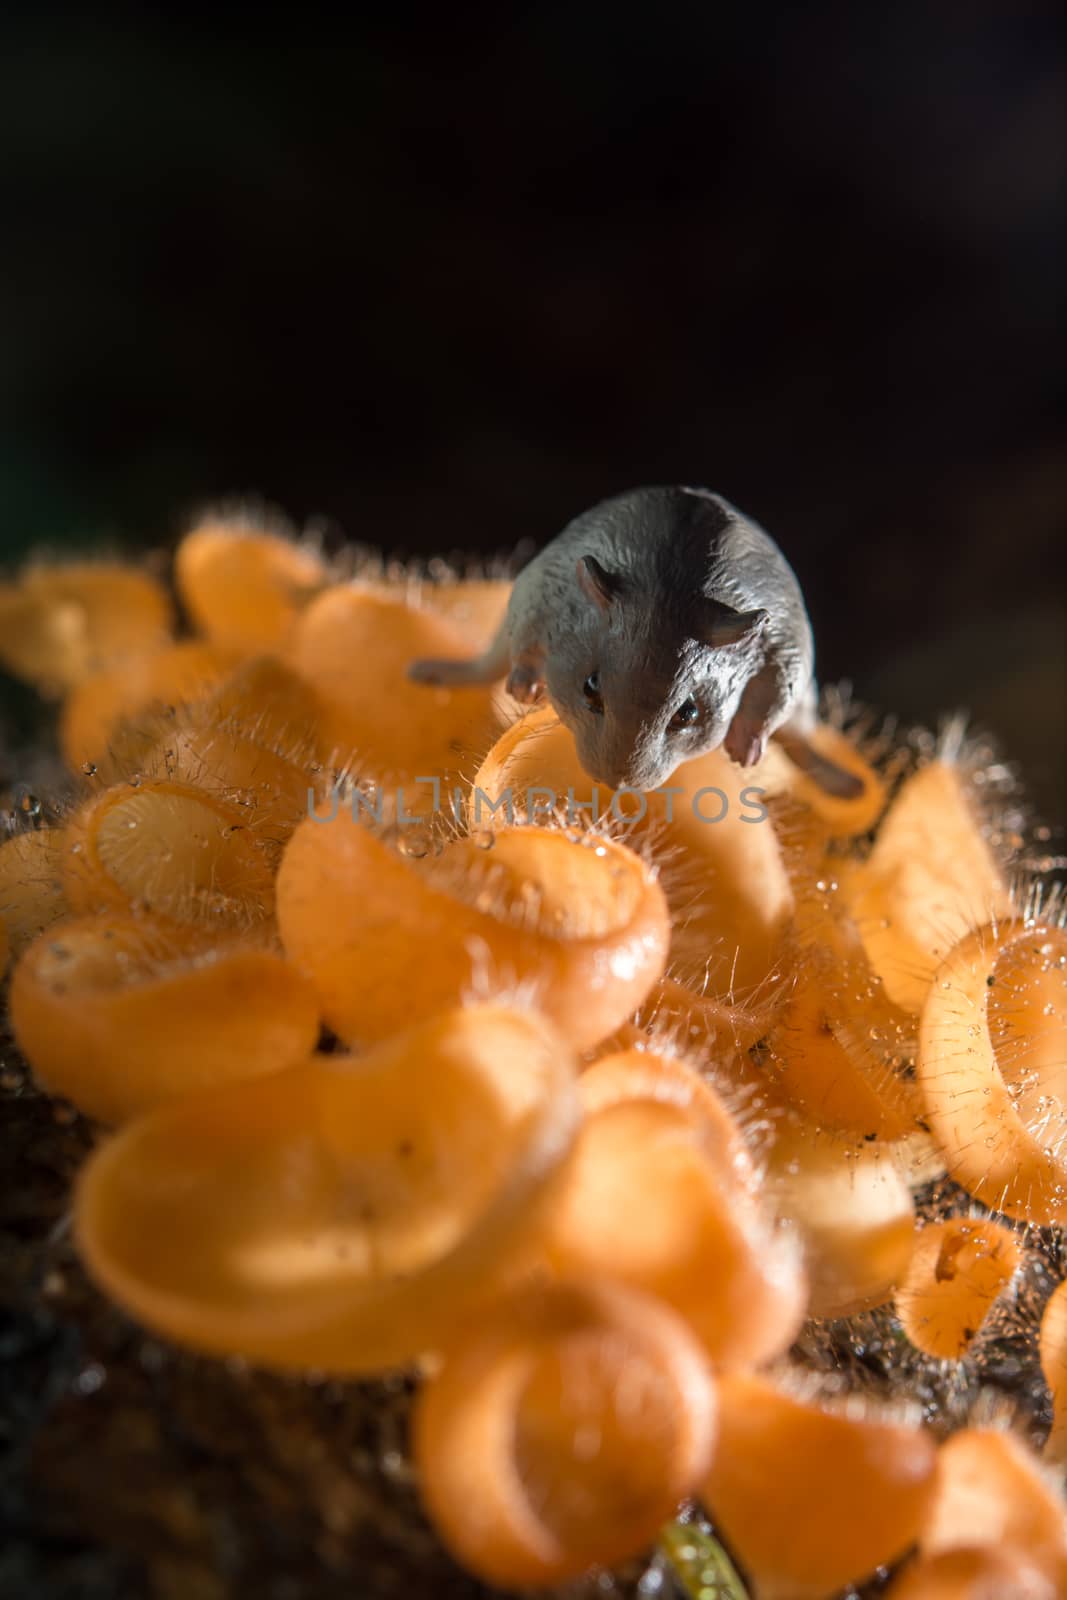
[(743, 745), (525, 684)]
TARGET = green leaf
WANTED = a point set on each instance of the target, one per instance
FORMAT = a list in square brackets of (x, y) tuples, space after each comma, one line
[(700, 1563)]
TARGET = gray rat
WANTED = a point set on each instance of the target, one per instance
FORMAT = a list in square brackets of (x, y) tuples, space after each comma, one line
[(662, 624)]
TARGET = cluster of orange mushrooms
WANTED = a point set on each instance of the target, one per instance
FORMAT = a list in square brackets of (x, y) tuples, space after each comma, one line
[(579, 1111)]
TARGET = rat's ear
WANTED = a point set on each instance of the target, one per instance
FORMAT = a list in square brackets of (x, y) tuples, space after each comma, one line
[(597, 583), (733, 627)]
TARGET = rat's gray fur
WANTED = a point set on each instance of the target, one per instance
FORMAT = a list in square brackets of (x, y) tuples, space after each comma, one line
[(662, 595)]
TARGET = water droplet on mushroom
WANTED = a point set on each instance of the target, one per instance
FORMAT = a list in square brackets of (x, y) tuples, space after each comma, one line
[(415, 842)]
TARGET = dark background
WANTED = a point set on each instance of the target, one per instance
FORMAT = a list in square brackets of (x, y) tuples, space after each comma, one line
[(444, 279)]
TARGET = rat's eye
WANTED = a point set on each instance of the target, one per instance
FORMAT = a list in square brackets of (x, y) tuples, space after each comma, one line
[(591, 690), (687, 713)]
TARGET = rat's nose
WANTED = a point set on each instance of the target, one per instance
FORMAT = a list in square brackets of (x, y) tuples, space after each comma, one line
[(628, 768), (641, 776), (611, 778), (609, 774)]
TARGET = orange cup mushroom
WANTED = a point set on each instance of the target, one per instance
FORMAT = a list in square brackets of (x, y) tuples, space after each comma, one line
[(972, 1573), (651, 1192), (169, 849), (992, 1493), (563, 1431), (110, 724), (958, 1270), (387, 939), (688, 1016), (251, 740), (834, 1070), (849, 1202), (725, 878), (353, 646), (930, 880), (991, 1067), (243, 584), (270, 791), (813, 1496), (32, 896), (343, 1214), (646, 1074), (119, 1014), (1053, 1350), (59, 624)]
